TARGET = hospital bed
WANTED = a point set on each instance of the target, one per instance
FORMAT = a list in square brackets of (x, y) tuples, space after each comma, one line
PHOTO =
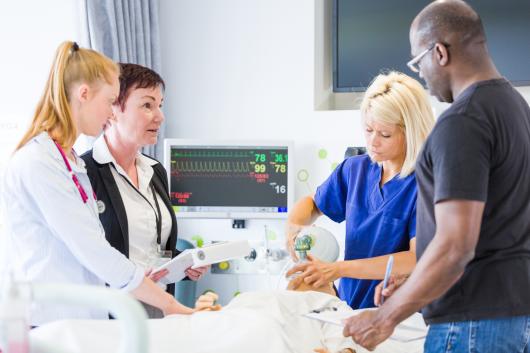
[(131, 323), (260, 322)]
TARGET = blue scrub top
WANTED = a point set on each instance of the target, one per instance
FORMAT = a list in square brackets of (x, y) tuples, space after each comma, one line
[(379, 221)]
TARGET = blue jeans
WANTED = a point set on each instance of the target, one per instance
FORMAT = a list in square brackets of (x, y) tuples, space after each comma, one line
[(505, 335)]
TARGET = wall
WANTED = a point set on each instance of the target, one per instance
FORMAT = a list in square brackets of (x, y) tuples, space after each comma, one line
[(242, 69), (30, 31), (28, 41)]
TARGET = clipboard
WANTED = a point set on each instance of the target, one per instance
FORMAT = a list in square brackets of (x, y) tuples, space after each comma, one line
[(197, 257)]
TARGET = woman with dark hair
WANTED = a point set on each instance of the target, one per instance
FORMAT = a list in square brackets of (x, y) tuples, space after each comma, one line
[(132, 188)]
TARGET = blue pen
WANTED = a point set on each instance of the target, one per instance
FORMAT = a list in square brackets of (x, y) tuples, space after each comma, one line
[(389, 266)]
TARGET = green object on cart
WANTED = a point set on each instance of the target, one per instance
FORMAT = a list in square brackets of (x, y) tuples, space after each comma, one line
[(198, 240)]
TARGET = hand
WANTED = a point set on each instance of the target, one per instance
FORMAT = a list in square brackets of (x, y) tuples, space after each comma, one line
[(315, 272), (394, 282), (157, 276), (291, 232), (196, 273), (207, 302), (368, 329)]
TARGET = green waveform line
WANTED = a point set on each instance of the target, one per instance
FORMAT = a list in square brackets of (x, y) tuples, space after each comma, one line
[(211, 154), (211, 166)]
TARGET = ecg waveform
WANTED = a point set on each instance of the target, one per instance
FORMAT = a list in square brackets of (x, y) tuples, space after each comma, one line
[(211, 154), (209, 166)]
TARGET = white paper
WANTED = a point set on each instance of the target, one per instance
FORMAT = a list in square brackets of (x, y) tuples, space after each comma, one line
[(330, 316), (412, 329)]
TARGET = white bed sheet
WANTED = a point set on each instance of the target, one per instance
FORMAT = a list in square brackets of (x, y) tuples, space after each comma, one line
[(259, 322)]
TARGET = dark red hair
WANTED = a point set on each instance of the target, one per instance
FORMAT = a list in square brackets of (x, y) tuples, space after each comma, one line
[(133, 76)]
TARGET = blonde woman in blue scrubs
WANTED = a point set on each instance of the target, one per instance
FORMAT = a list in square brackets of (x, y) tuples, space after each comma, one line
[(53, 233), (374, 193)]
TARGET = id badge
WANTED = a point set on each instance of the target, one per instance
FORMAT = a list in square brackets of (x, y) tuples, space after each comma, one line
[(164, 255), (159, 257)]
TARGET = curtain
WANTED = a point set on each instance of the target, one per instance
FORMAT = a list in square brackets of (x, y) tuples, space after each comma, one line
[(126, 31)]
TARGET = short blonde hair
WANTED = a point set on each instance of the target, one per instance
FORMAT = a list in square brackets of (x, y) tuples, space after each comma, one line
[(395, 98), (71, 65)]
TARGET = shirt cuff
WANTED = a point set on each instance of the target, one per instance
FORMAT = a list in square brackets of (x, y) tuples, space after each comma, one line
[(135, 281)]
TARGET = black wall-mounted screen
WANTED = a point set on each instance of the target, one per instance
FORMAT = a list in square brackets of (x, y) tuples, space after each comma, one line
[(370, 36)]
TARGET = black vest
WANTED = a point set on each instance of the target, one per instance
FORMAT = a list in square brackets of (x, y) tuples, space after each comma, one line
[(114, 217)]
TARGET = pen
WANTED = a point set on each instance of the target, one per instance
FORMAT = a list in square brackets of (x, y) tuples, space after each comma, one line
[(319, 310), (389, 265)]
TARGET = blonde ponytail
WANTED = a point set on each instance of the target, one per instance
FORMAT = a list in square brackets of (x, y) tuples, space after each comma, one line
[(53, 114)]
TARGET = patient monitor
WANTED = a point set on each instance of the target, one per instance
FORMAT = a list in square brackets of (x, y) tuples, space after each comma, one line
[(251, 184), (230, 179)]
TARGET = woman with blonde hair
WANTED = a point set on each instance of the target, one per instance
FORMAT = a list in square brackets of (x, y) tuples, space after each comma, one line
[(52, 230), (374, 193)]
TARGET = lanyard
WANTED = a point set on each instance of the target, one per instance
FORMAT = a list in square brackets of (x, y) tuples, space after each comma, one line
[(78, 185), (158, 216), (157, 212)]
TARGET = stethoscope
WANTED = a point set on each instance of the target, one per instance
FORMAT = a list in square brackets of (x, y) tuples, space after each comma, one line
[(78, 185)]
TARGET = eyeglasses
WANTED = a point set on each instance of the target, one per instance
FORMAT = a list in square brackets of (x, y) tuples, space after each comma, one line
[(413, 64)]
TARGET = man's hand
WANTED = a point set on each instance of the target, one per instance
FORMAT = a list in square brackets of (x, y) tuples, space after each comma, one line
[(315, 272), (394, 282), (157, 276), (196, 273), (368, 329)]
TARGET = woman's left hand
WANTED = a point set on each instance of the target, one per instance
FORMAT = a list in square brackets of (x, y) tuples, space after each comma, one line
[(196, 273), (316, 272), (157, 276)]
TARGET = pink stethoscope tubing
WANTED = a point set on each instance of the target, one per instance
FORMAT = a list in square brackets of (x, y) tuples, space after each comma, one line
[(78, 185)]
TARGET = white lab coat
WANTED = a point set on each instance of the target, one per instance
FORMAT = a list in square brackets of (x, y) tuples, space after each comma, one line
[(51, 236)]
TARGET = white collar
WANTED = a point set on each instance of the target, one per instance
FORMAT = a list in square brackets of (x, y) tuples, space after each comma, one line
[(102, 155)]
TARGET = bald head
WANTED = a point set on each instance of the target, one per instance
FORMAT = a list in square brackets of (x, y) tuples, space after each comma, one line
[(450, 36), (449, 21)]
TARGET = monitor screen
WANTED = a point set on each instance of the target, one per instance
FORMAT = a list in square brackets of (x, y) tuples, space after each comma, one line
[(371, 36), (229, 180)]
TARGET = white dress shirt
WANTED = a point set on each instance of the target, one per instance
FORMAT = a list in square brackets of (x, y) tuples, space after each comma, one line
[(141, 211), (51, 236)]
